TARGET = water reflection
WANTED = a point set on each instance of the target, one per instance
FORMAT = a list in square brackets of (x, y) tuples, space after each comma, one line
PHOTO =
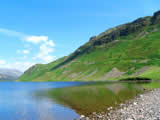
[(89, 98), (62, 100), (18, 102)]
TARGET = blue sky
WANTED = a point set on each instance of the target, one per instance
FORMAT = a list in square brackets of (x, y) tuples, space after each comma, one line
[(40, 31)]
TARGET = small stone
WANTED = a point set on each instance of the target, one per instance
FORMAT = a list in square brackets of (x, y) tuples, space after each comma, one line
[(141, 95), (82, 116), (129, 119), (135, 103), (87, 118), (94, 113), (100, 116)]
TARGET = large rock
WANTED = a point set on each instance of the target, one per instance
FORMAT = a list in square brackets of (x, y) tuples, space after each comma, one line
[(156, 18)]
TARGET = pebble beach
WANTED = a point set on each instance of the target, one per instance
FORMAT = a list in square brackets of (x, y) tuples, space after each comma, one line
[(144, 107)]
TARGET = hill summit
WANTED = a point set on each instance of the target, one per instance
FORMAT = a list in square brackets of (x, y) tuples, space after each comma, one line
[(128, 50)]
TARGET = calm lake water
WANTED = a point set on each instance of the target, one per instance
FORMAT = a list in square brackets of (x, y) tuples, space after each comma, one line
[(60, 100)]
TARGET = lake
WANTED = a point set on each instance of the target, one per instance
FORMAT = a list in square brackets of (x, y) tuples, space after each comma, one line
[(60, 100)]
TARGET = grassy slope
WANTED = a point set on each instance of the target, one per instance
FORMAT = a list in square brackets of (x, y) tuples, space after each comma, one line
[(38, 70), (126, 53)]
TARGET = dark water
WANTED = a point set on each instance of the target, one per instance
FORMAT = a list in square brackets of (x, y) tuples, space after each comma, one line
[(60, 101)]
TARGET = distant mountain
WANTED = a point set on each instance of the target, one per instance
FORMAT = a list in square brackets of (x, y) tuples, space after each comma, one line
[(9, 74), (128, 50)]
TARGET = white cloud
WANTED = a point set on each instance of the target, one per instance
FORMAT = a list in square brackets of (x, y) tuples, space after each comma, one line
[(26, 51), (45, 50), (36, 39), (29, 38), (50, 43), (2, 62), (23, 51), (45, 58), (22, 66), (12, 33)]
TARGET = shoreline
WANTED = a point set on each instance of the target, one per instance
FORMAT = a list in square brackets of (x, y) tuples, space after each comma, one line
[(145, 106)]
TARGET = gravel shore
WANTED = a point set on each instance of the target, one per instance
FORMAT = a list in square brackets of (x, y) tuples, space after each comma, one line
[(143, 107)]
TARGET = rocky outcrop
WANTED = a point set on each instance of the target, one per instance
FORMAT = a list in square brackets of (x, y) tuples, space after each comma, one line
[(142, 70), (114, 73), (156, 18), (110, 35)]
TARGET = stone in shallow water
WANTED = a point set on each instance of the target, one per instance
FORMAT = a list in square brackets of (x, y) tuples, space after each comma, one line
[(82, 117)]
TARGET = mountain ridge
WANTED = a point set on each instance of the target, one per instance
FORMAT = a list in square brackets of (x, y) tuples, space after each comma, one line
[(129, 36), (9, 74)]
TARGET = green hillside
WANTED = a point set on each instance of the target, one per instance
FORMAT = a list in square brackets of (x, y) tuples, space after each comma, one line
[(128, 50)]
